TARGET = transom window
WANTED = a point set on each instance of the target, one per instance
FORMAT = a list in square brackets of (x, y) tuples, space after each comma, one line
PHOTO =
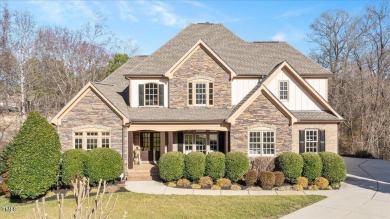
[(283, 90), (311, 140), (200, 93), (151, 94), (261, 143), (90, 140)]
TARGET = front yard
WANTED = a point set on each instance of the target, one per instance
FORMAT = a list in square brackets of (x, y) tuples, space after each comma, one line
[(174, 206)]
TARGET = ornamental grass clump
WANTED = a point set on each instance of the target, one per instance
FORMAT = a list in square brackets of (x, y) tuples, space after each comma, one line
[(195, 164), (251, 177), (235, 187), (303, 181), (279, 178), (215, 187), (237, 164), (183, 183), (312, 165), (215, 165), (34, 158), (224, 183), (205, 181), (171, 166), (291, 164), (321, 182), (267, 180), (333, 167), (72, 166)]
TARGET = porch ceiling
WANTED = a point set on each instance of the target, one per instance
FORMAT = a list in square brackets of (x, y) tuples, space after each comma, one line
[(163, 127)]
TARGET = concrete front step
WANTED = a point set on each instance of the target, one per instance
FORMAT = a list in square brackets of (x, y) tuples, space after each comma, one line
[(143, 172)]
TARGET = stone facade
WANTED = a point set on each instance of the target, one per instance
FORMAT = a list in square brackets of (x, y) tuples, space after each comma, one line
[(261, 113), (331, 135), (200, 66), (91, 113)]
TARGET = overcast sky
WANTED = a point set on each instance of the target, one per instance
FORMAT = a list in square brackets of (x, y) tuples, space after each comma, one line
[(152, 23)]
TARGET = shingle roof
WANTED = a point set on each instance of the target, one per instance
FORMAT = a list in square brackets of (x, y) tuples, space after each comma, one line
[(314, 115), (245, 58), (175, 115)]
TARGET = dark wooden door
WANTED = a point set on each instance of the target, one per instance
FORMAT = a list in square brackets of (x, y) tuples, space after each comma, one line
[(150, 146)]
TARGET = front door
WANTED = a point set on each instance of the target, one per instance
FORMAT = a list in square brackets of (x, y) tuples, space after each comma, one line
[(150, 146)]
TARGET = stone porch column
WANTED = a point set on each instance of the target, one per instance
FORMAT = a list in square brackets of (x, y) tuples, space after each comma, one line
[(162, 143), (170, 141)]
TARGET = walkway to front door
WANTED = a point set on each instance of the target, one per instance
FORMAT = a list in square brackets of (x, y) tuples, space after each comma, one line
[(150, 146)]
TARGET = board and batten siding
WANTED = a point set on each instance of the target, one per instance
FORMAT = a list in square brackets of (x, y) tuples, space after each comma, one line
[(298, 99), (241, 87), (134, 102), (320, 85)]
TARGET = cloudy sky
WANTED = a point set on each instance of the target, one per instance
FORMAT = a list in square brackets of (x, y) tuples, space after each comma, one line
[(152, 23)]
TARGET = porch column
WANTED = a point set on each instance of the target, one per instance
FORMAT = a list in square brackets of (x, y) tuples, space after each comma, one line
[(162, 143), (170, 141), (207, 141), (226, 142), (130, 161)]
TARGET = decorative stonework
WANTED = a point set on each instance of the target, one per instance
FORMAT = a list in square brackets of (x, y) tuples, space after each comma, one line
[(200, 64), (261, 113), (89, 113), (201, 77), (91, 127)]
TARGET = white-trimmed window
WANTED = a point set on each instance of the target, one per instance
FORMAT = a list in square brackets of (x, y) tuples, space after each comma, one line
[(187, 143), (201, 93), (89, 140), (200, 140), (283, 90), (261, 143), (213, 142), (151, 94), (311, 140)]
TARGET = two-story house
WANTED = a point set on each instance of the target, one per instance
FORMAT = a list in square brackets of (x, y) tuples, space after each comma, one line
[(206, 90)]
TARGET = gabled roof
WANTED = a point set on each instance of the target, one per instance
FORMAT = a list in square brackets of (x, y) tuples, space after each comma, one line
[(244, 58)]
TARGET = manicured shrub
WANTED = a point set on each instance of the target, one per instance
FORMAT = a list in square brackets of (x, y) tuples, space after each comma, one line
[(103, 163), (313, 187), (321, 182), (303, 181), (312, 165), (72, 165), (279, 178), (215, 165), (196, 186), (205, 181), (215, 187), (263, 164), (235, 187), (183, 183), (171, 166), (267, 180), (35, 158), (298, 187), (333, 167), (291, 165), (363, 154), (251, 177), (172, 184), (237, 164), (195, 163), (224, 183)]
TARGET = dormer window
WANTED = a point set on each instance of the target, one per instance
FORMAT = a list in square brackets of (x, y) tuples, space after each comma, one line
[(201, 93), (283, 90), (151, 94)]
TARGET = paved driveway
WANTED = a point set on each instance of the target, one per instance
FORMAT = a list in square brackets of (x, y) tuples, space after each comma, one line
[(364, 194)]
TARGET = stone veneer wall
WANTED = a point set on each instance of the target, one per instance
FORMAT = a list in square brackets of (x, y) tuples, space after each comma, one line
[(199, 64), (90, 113), (331, 135), (261, 113)]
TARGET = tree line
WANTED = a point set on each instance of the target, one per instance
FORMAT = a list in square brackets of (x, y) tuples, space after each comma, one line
[(355, 47)]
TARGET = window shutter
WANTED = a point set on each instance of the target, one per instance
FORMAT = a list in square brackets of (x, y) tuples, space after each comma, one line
[(221, 142), (161, 94), (141, 95), (180, 141), (321, 147), (211, 93), (190, 90), (301, 141)]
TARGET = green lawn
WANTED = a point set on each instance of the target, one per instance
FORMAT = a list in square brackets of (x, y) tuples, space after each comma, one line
[(174, 206)]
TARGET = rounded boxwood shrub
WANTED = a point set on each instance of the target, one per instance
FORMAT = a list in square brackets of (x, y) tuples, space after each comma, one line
[(279, 178), (312, 165), (267, 180), (237, 164), (215, 165), (35, 158), (291, 165), (195, 164), (251, 177), (103, 163), (333, 167), (171, 166), (72, 165)]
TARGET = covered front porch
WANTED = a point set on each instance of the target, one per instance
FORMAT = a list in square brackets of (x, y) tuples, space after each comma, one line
[(153, 140)]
